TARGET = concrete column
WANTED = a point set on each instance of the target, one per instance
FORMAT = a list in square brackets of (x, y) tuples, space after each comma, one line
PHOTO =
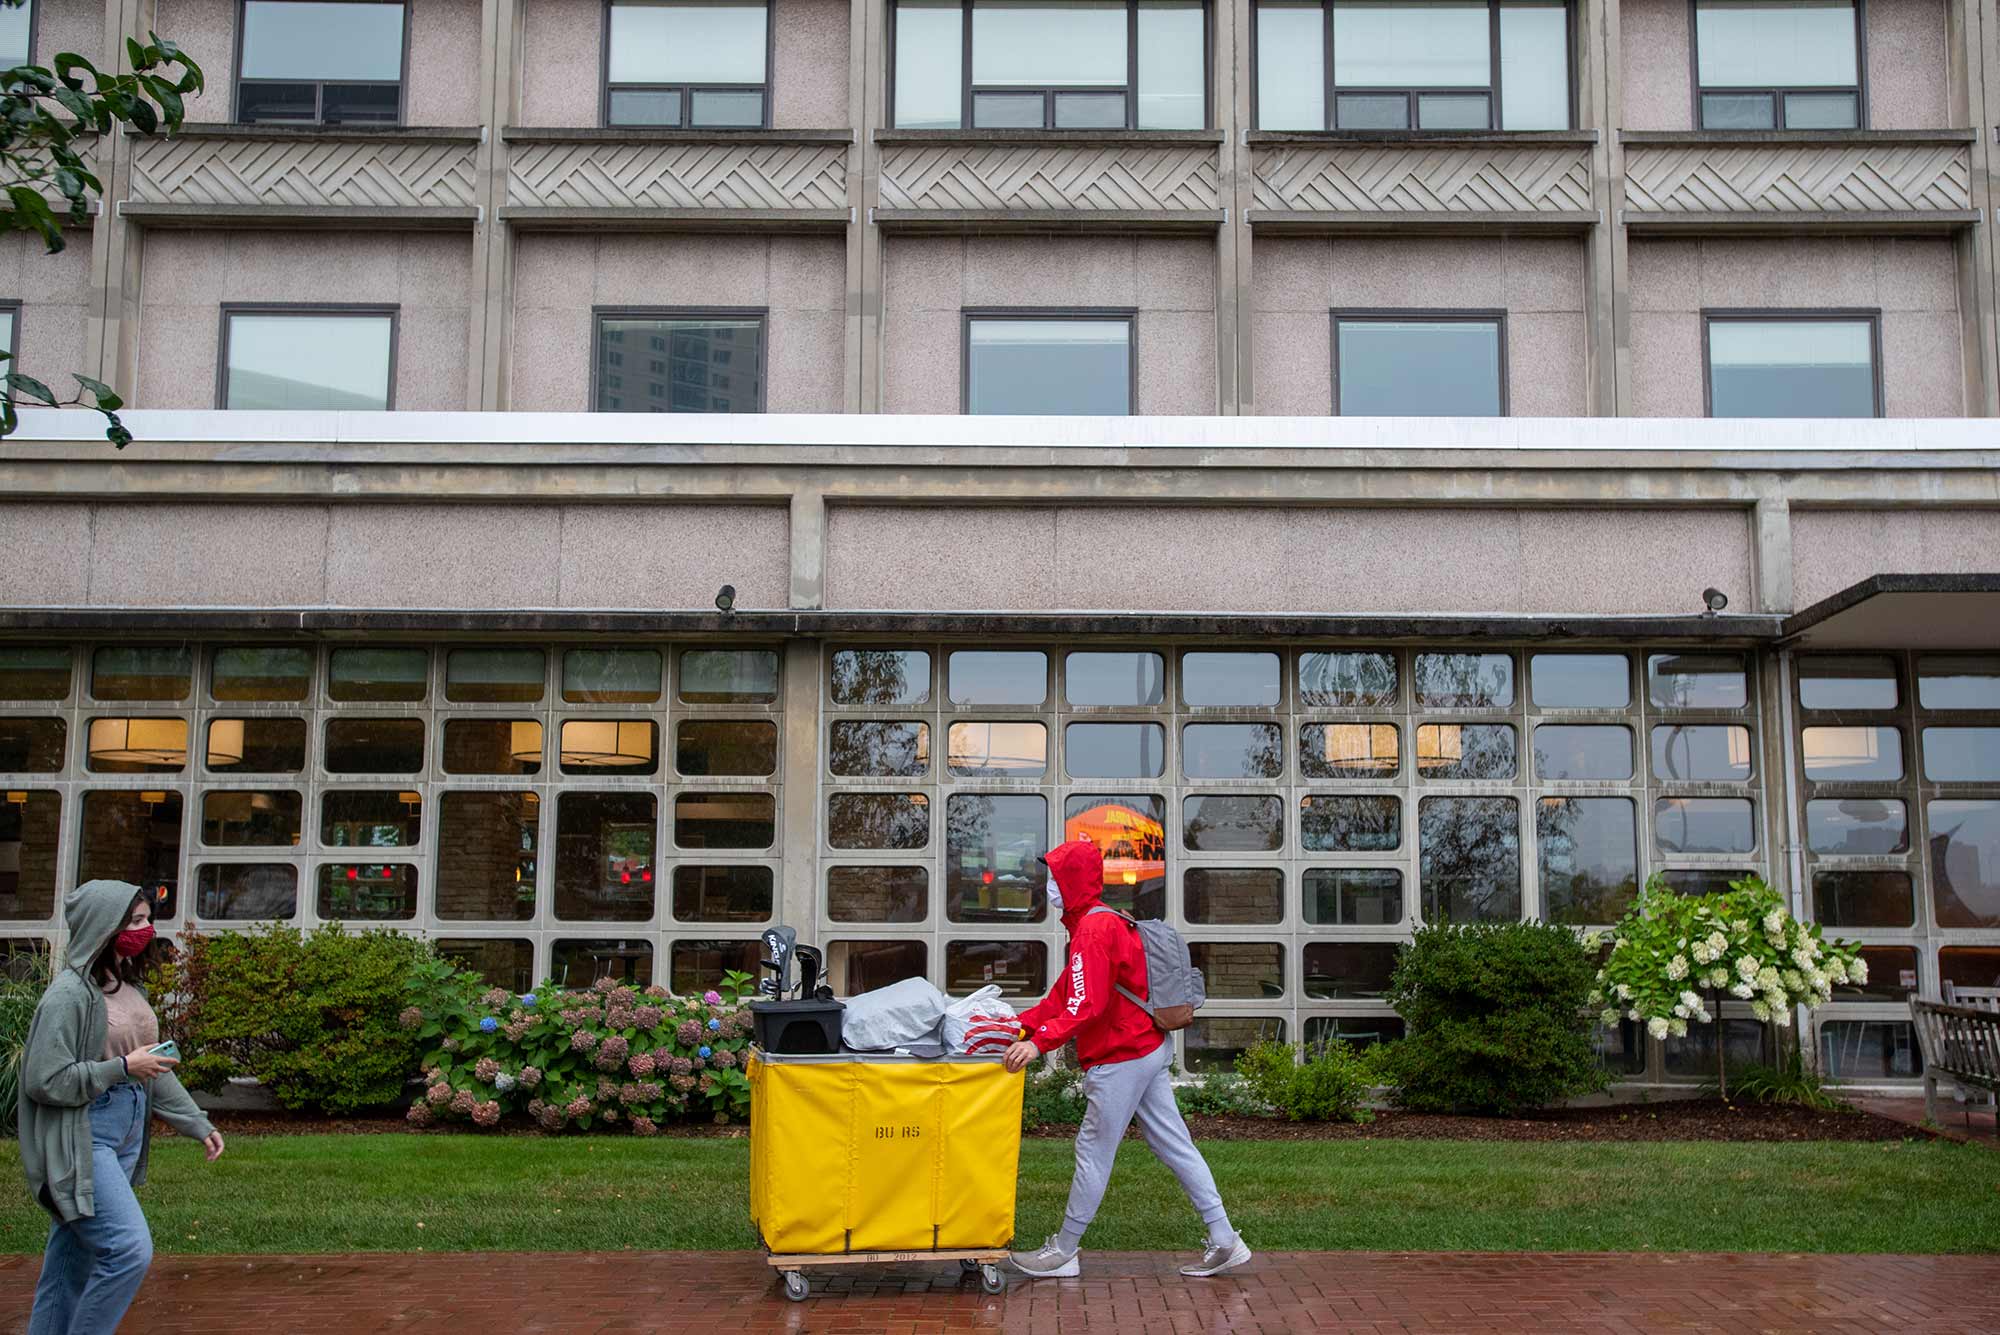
[(1771, 551), (799, 885), (1606, 319), (808, 548), (868, 111), (1236, 247), (492, 321)]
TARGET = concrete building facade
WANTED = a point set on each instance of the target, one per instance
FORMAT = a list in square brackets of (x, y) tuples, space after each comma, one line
[(446, 653)]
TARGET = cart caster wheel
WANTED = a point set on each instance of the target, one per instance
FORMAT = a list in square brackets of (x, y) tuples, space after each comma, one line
[(989, 1279), (795, 1286), (969, 1266)]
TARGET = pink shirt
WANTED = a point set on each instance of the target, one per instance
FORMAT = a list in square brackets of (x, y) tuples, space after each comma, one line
[(129, 1023)]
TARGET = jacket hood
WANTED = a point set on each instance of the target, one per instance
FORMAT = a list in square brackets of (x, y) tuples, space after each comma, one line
[(96, 912), (1078, 868)]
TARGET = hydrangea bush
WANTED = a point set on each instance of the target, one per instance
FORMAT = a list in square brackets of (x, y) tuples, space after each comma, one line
[(1672, 955), (608, 1056)]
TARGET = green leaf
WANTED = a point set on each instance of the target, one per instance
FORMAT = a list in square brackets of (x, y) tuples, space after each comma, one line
[(33, 388)]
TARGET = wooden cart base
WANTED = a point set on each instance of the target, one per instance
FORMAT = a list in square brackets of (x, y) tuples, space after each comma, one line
[(985, 1260)]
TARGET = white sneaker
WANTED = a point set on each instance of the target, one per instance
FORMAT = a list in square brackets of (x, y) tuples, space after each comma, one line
[(1050, 1261), (1215, 1260)]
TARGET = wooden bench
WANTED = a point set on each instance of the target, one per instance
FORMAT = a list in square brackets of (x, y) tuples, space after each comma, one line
[(1961, 1044)]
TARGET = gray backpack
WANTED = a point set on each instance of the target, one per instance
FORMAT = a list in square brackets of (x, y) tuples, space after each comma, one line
[(1175, 989)]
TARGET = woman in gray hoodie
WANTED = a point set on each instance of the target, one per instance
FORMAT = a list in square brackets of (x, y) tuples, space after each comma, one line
[(90, 1087)]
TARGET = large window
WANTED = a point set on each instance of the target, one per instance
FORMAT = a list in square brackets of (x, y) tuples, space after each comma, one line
[(1412, 65), (1793, 365), (17, 35), (1420, 364), (1051, 64), (679, 362), (328, 358), (327, 62), (1052, 363), (1777, 64), (696, 63)]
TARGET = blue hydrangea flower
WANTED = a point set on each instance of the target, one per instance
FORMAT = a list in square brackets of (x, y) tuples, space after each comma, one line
[(527, 998), (714, 1025), (703, 1051), (488, 1024)]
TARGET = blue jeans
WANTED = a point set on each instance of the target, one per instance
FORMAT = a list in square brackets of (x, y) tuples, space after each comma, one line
[(94, 1265)]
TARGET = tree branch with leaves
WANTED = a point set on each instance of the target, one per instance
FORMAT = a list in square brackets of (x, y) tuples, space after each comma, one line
[(49, 119)]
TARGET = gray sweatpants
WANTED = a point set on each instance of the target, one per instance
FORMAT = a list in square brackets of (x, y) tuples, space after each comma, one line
[(1119, 1091)]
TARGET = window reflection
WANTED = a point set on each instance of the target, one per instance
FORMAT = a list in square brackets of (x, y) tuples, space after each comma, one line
[(1330, 824), (881, 677), (1589, 857), (1704, 825), (998, 750), (1233, 823), (1464, 681), (1225, 896), (1469, 859), (1965, 862), (1347, 680), (879, 749), (1857, 825), (1114, 678), (1583, 751), (1465, 751), (877, 894), (1232, 750), (1701, 753), (993, 846), (1131, 830), (1348, 750), (1353, 896), (999, 677), (878, 820)]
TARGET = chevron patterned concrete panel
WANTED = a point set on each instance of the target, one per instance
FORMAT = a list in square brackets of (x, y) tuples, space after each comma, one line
[(312, 172), (1050, 176), (1414, 179), (601, 175), (1779, 178)]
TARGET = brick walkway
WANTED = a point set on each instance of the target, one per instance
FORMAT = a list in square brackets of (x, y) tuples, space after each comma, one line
[(706, 1293)]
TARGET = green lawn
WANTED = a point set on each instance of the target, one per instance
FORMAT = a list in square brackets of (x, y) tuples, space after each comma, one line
[(461, 1193)]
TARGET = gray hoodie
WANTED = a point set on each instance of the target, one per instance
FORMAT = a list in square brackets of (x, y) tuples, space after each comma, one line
[(63, 1068)]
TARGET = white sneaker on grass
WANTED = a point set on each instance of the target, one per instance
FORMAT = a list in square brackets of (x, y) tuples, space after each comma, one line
[(1049, 1261), (1214, 1260)]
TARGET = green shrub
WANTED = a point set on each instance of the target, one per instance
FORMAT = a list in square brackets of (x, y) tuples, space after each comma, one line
[(1495, 1019), (24, 976), (1218, 1094), (1330, 1085), (1053, 1096), (313, 1016)]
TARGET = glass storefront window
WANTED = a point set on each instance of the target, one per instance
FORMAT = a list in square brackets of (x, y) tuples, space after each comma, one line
[(993, 844), (487, 867)]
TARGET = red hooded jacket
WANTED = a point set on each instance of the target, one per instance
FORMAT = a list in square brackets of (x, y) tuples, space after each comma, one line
[(1104, 954)]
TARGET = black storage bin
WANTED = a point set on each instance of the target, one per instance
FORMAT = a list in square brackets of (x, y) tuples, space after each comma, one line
[(798, 1027)]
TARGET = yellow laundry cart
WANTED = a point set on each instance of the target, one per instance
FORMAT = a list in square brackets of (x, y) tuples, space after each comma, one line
[(867, 1157)]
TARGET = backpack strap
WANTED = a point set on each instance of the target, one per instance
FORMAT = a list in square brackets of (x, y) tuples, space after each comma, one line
[(1131, 922)]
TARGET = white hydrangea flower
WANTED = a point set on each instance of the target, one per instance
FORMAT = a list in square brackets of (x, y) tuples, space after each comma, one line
[(1760, 1010), (1746, 967), (1678, 1028), (1657, 1027), (1677, 968), (1857, 970)]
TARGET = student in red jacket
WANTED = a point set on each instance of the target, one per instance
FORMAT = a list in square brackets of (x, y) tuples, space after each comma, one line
[(1124, 1059)]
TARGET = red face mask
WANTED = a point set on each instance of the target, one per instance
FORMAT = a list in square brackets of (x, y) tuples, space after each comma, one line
[(131, 941)]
